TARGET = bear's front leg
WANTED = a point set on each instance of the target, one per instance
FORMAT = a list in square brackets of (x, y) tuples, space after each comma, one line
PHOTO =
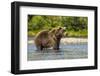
[(57, 45)]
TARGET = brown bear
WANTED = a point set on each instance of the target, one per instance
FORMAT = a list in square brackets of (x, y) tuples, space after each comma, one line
[(46, 39)]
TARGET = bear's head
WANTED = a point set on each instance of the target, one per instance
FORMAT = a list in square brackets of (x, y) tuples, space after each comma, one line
[(59, 32)]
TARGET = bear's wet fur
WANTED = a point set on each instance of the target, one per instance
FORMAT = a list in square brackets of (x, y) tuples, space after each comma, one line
[(49, 38)]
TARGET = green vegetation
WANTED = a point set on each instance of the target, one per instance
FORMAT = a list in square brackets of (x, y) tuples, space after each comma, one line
[(75, 26)]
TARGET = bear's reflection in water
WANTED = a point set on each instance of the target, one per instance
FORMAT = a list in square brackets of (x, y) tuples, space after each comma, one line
[(46, 54), (49, 50), (69, 51)]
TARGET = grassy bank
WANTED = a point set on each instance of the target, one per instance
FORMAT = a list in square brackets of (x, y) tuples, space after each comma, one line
[(83, 33), (66, 34)]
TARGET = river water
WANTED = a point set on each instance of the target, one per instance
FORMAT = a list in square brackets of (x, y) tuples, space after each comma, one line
[(67, 51)]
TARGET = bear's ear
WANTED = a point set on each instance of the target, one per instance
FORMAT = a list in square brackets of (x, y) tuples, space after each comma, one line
[(64, 28), (57, 29)]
